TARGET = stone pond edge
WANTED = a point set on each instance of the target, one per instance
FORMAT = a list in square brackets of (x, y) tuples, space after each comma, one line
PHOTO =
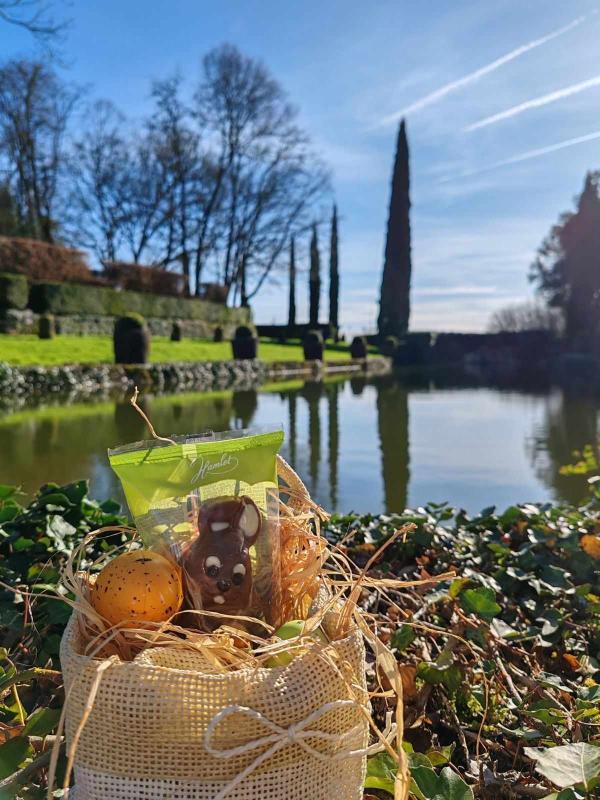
[(87, 379)]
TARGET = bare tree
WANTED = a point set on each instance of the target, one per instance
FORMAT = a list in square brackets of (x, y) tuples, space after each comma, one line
[(147, 200), (264, 171), (35, 16), (99, 170), (526, 317), (176, 147), (35, 108), (119, 192)]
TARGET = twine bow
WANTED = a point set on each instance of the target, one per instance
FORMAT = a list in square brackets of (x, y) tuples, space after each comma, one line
[(298, 733)]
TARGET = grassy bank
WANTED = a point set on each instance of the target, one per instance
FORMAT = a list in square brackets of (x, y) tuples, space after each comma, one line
[(27, 350)]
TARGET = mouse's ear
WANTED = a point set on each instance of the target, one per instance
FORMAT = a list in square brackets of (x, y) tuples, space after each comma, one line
[(250, 520)]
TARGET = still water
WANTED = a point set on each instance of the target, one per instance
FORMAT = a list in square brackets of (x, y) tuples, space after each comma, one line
[(376, 445)]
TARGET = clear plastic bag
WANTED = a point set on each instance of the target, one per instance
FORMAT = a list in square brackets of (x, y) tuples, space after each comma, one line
[(211, 503)]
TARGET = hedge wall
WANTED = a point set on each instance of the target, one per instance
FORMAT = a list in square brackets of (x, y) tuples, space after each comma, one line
[(14, 291), (73, 298), (42, 261), (141, 278)]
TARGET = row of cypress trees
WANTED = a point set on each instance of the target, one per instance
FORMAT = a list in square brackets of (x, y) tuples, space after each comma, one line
[(394, 304), (314, 281)]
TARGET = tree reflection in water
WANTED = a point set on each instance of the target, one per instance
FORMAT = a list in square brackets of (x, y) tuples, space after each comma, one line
[(245, 404), (571, 423), (392, 423), (349, 439), (333, 440), (312, 393)]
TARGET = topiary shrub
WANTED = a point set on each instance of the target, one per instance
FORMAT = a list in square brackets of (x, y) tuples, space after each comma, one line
[(131, 340), (313, 346), (244, 344), (14, 291), (46, 327), (176, 332), (389, 346), (358, 347), (218, 335)]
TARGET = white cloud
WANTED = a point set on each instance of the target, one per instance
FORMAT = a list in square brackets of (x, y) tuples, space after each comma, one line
[(453, 86), (351, 164), (536, 102), (527, 155)]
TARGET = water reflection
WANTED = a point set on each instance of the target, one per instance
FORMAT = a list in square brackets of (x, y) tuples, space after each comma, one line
[(368, 445), (570, 423), (392, 423), (333, 440), (245, 404), (312, 394)]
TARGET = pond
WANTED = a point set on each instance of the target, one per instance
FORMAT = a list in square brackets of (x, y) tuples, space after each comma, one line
[(363, 445)]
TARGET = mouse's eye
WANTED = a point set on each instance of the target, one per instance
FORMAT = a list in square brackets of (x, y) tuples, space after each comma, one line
[(238, 574), (212, 566)]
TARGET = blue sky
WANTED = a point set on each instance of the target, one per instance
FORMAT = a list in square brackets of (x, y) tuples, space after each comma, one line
[(351, 67)]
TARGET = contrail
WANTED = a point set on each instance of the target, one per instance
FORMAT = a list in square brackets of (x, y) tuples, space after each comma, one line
[(439, 94), (535, 103), (540, 151)]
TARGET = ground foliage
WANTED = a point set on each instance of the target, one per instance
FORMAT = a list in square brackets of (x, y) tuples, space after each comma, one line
[(499, 665)]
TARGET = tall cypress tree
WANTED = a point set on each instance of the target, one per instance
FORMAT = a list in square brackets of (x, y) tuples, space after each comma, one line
[(334, 277), (394, 305), (314, 280), (292, 296)]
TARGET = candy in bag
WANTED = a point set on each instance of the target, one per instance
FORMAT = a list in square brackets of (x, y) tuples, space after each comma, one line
[(211, 503)]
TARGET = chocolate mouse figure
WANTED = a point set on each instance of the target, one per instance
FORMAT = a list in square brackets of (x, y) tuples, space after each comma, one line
[(217, 564)]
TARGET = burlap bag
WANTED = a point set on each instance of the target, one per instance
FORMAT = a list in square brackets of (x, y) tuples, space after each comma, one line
[(163, 726)]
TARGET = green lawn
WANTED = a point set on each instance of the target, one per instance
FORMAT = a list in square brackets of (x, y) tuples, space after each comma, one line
[(27, 350)]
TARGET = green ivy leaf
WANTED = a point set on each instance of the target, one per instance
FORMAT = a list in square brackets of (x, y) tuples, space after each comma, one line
[(22, 543), (13, 755), (568, 764), (590, 693), (42, 722), (442, 756), (457, 586), (449, 676), (56, 499), (481, 602), (76, 491), (9, 512), (445, 786), (381, 773), (110, 507), (565, 794), (402, 638)]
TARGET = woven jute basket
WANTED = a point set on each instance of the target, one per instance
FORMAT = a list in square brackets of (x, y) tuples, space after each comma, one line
[(174, 731), (166, 726)]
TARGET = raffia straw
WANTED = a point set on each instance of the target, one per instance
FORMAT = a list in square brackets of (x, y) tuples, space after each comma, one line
[(350, 606), (155, 435)]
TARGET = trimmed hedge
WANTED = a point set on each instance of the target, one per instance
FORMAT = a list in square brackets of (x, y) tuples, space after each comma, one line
[(140, 278), (73, 298), (42, 261), (14, 292)]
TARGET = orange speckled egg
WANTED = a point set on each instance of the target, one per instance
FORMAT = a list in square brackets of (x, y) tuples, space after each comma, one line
[(140, 586)]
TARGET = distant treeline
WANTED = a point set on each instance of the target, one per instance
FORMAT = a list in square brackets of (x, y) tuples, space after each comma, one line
[(213, 183)]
